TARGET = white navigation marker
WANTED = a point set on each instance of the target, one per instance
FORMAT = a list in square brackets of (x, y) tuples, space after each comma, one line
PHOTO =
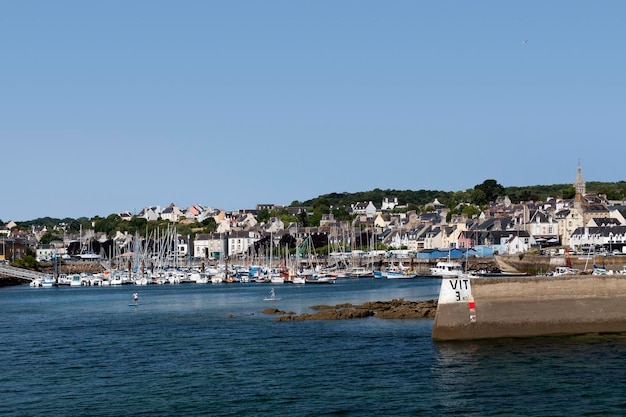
[(455, 290)]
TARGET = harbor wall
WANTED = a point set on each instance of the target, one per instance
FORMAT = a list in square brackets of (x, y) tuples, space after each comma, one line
[(481, 308)]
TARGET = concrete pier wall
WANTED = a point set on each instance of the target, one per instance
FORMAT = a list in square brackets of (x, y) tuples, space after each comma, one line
[(530, 306)]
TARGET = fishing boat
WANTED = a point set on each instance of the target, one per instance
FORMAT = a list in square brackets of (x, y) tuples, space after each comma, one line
[(447, 269), (379, 274), (400, 274)]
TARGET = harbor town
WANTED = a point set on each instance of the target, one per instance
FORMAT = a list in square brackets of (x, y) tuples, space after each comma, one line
[(584, 234)]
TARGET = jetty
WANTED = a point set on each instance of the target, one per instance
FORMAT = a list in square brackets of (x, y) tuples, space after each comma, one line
[(480, 308), (13, 275)]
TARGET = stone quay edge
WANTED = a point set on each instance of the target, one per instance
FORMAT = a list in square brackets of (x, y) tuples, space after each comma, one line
[(481, 308)]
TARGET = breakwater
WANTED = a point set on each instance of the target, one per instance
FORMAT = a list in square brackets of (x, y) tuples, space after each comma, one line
[(481, 308)]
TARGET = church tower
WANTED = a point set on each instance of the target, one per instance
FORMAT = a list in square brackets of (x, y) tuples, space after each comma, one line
[(579, 184)]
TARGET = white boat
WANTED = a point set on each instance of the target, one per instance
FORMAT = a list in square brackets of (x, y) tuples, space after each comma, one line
[(76, 280), (276, 278), (63, 279), (89, 256), (447, 269), (141, 280), (200, 277), (299, 279), (564, 270), (320, 279), (48, 281), (116, 279), (360, 272)]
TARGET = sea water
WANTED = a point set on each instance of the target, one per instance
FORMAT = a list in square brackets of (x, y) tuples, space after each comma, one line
[(195, 349)]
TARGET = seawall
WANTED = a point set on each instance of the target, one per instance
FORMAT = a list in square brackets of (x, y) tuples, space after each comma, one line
[(530, 306)]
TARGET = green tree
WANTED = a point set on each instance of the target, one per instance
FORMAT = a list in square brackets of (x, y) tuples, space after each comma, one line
[(303, 218), (478, 197), (108, 225), (263, 216), (26, 262), (210, 225), (568, 192), (315, 218), (137, 224), (341, 214), (490, 189), (470, 211), (49, 237)]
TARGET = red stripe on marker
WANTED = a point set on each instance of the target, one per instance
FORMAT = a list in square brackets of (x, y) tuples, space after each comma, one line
[(470, 301)]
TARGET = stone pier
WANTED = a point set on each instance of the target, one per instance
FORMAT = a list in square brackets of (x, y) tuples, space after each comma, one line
[(480, 308)]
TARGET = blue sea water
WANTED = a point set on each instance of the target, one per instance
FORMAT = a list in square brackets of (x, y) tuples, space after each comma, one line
[(192, 349)]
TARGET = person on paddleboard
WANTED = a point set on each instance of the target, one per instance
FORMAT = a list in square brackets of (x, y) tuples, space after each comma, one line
[(136, 297)]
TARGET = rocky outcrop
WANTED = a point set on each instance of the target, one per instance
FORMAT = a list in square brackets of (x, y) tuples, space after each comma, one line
[(394, 309)]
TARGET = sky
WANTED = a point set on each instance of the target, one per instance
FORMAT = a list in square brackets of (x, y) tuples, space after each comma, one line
[(107, 107)]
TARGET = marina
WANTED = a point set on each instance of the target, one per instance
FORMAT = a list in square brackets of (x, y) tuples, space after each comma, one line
[(198, 349)]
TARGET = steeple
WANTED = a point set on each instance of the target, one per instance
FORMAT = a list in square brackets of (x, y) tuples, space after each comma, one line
[(579, 184)]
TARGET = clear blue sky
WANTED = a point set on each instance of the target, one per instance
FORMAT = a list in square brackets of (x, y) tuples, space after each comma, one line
[(116, 105)]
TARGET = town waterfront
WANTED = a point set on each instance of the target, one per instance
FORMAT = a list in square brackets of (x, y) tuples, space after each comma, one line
[(207, 350)]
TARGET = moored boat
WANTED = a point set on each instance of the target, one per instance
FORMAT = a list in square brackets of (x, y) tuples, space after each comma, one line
[(48, 281), (360, 272), (400, 274), (320, 279), (447, 269)]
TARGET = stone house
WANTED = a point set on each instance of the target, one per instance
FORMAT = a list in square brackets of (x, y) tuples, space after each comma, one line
[(543, 227), (45, 253), (274, 225), (433, 238), (609, 237), (238, 243), (4, 230), (126, 215), (619, 212), (569, 220), (415, 237), (209, 246), (518, 242), (366, 208), (389, 203), (150, 213), (244, 221), (171, 213)]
